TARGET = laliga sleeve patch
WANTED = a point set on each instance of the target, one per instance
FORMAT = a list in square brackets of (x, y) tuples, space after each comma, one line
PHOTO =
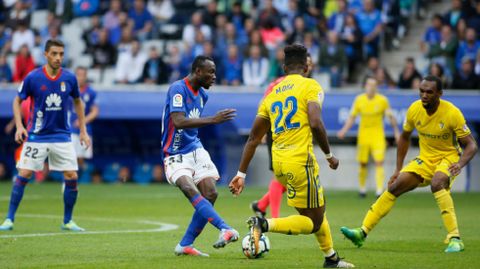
[(177, 100)]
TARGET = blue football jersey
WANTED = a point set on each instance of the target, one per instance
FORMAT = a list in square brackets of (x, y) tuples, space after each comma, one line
[(89, 98), (50, 96), (181, 97)]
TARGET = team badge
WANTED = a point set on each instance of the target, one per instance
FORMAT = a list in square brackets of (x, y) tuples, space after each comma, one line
[(442, 125), (465, 128), (177, 100), (62, 87)]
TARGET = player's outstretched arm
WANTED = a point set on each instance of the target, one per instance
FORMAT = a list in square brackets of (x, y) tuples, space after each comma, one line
[(394, 123), (80, 110), (319, 133), (470, 149), (348, 124), (259, 129), (21, 133), (180, 121)]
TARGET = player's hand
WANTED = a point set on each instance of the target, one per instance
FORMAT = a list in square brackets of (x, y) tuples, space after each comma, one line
[(333, 163), (85, 140), (76, 124), (236, 185), (224, 115), (393, 177), (341, 134), (455, 169), (20, 135)]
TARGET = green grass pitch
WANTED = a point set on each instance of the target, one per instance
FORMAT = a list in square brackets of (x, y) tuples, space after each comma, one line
[(121, 218)]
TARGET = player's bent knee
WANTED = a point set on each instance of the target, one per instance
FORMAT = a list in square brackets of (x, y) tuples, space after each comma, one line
[(25, 173), (211, 195), (70, 175)]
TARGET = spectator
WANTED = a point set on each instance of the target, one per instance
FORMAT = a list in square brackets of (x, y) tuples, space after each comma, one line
[(22, 36), (219, 32), (5, 71), (51, 22), (461, 30), (477, 64), (210, 14), (437, 70), (124, 25), (269, 14), (142, 20), (5, 39), (237, 16), (23, 64), (432, 34), (155, 70), (233, 74), (111, 19), (465, 77), (474, 20), (391, 17), (103, 53), (162, 11), (272, 35), (312, 47), (351, 37), (256, 40), (373, 65), (209, 50), (230, 36), (91, 35), (19, 13), (126, 39), (63, 9), (444, 52), (197, 47), (174, 64), (38, 51), (385, 81), (84, 8), (333, 59), (409, 75), (467, 48), (336, 22), (454, 14), (370, 24), (289, 16), (255, 68), (130, 65), (276, 65), (299, 31), (196, 23)]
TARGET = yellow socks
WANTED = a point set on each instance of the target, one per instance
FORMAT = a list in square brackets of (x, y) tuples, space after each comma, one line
[(379, 178), (378, 210), (295, 224), (362, 178), (445, 203), (324, 238)]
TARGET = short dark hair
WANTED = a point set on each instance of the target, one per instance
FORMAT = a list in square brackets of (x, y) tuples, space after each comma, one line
[(53, 43), (199, 61), (81, 67), (295, 55), (437, 80)]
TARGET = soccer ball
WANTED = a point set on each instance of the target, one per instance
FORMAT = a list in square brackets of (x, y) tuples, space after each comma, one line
[(262, 252)]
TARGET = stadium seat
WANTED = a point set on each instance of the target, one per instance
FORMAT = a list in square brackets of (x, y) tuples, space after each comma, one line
[(86, 174), (157, 43), (142, 173), (83, 60), (39, 19), (110, 173), (108, 77), (94, 75)]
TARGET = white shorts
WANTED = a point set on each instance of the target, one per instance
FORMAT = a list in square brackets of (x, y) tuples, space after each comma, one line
[(196, 165), (61, 156), (82, 152)]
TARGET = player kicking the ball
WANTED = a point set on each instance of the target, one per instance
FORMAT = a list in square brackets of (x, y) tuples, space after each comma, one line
[(187, 164), (291, 108), (48, 131)]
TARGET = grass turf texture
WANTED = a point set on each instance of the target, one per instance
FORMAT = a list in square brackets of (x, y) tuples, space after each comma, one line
[(410, 237)]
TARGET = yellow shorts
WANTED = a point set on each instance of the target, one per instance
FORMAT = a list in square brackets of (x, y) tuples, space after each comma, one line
[(375, 148), (426, 168), (302, 182)]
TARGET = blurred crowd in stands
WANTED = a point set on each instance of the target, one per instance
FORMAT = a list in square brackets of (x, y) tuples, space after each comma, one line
[(154, 41)]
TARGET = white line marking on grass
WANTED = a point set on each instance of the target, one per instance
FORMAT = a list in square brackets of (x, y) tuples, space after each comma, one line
[(161, 227)]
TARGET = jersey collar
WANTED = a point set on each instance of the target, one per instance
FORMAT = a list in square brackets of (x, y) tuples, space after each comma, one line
[(189, 86), (44, 69)]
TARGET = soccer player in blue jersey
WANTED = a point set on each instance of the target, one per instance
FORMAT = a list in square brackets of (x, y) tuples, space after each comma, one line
[(187, 164), (89, 98), (48, 131)]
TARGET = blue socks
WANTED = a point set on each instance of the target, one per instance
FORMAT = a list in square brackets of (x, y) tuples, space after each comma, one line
[(16, 196), (206, 211), (69, 198), (194, 229)]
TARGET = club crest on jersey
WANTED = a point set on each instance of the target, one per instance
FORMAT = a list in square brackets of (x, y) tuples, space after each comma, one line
[(53, 102), (465, 128), (62, 87), (442, 125), (177, 100)]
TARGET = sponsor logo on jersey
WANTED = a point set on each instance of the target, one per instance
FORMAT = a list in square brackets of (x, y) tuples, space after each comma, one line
[(62, 87), (194, 114), (53, 102), (177, 100)]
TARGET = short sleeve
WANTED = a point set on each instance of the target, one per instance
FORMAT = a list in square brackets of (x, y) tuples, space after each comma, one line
[(314, 93), (355, 110), (263, 110), (177, 99), (458, 123), (408, 123), (75, 93), (24, 90), (386, 105)]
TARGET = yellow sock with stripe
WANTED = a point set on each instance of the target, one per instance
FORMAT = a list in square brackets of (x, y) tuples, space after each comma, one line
[(379, 178), (378, 210), (362, 178), (445, 203), (294, 224), (324, 238)]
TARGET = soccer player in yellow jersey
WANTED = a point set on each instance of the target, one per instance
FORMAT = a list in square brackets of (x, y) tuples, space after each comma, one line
[(372, 107), (291, 109), (440, 126)]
